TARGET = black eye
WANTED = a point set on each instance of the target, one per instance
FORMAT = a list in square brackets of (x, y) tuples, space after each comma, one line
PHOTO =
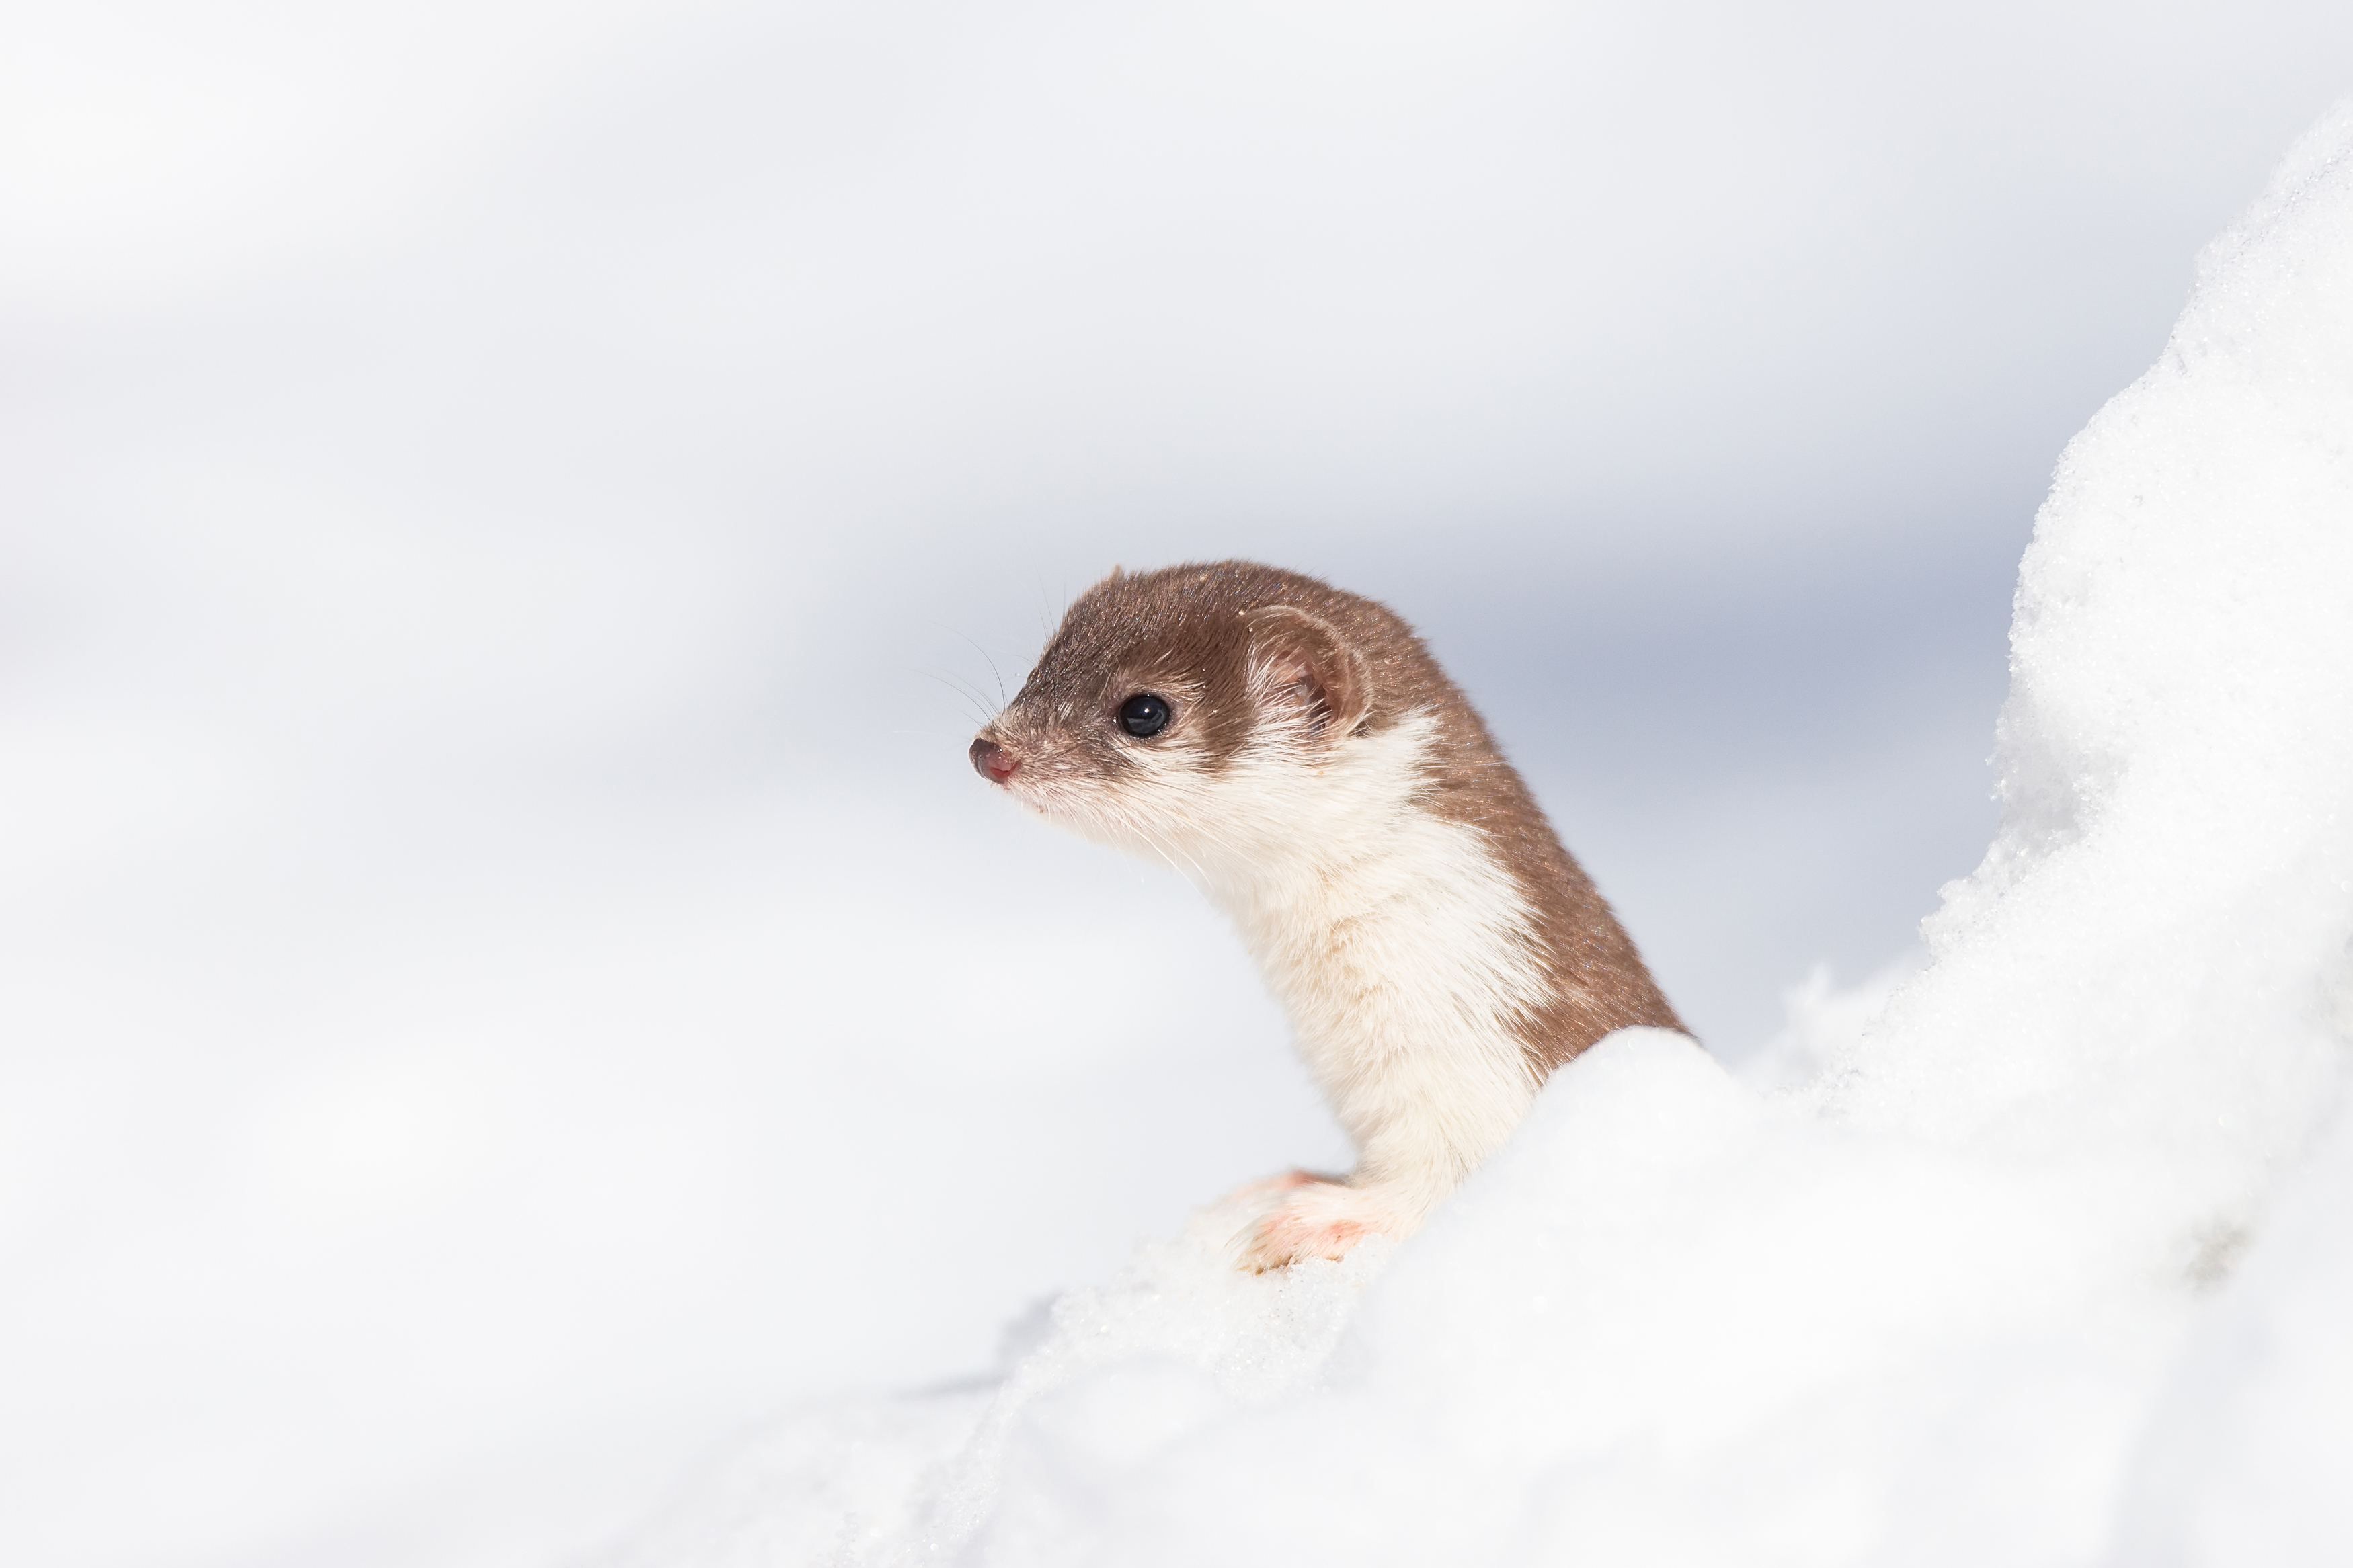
[(1144, 714)]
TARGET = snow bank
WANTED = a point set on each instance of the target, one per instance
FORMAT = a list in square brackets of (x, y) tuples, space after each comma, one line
[(1952, 1297)]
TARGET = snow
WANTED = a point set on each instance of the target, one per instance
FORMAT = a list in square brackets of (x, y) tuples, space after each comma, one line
[(2036, 1252), (2244, 1457)]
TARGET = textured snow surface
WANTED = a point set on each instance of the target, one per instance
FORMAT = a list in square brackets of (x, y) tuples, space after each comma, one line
[(2039, 1251)]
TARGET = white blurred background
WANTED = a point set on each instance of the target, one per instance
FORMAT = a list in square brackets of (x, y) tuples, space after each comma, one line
[(509, 511)]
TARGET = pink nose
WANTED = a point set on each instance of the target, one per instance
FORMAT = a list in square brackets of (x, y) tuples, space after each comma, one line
[(993, 762)]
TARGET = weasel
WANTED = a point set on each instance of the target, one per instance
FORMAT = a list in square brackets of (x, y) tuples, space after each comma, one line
[(1298, 753)]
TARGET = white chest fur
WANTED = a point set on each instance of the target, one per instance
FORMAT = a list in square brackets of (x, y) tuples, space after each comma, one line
[(1392, 936)]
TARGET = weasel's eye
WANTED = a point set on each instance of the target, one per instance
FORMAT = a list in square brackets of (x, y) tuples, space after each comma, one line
[(1144, 714)]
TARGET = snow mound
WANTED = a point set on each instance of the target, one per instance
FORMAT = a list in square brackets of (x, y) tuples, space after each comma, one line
[(1103, 1379), (1963, 1273)]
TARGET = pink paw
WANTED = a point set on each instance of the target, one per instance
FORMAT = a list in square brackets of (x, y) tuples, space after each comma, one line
[(1320, 1219)]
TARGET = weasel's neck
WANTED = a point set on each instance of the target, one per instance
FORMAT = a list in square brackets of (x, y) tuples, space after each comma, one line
[(1400, 946)]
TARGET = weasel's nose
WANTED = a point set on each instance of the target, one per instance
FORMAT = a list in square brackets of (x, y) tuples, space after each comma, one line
[(993, 762)]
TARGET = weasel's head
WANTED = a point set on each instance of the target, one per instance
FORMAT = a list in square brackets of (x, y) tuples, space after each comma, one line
[(1167, 700)]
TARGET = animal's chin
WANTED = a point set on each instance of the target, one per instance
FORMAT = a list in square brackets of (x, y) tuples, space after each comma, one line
[(1086, 818), (1050, 803)]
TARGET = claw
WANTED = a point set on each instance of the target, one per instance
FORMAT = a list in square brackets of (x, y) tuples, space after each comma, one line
[(1286, 1237)]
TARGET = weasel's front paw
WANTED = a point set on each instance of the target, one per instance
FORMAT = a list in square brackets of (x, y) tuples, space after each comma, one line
[(1319, 1219)]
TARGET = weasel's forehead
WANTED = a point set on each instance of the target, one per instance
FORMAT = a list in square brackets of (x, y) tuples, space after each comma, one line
[(1109, 634)]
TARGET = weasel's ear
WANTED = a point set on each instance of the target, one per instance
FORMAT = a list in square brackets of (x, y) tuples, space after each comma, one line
[(1297, 657)]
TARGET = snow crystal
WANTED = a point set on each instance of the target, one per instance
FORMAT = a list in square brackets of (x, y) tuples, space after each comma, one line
[(1953, 1274)]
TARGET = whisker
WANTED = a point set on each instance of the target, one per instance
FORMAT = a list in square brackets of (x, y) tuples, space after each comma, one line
[(976, 700), (996, 674)]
